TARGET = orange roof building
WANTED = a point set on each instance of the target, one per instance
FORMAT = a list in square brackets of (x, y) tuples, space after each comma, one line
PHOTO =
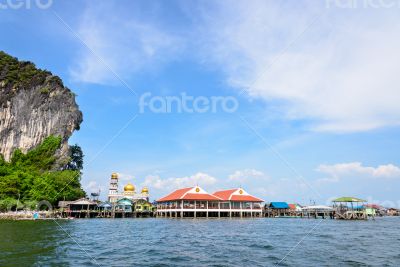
[(190, 193), (196, 202), (236, 195)]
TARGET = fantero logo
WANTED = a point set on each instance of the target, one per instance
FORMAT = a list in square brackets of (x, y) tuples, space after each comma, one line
[(362, 3), (184, 103), (25, 4)]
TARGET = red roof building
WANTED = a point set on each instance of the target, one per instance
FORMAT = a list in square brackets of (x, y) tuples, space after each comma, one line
[(236, 195), (196, 202), (190, 193)]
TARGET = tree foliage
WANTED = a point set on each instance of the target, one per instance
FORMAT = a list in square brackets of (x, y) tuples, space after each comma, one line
[(30, 177), (20, 73), (76, 158)]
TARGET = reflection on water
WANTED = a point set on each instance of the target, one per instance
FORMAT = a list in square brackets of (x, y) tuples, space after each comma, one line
[(200, 242)]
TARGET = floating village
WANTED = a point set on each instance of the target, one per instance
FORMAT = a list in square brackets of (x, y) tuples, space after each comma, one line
[(195, 202)]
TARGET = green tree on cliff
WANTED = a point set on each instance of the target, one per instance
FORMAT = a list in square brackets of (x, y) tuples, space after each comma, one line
[(31, 176), (76, 158)]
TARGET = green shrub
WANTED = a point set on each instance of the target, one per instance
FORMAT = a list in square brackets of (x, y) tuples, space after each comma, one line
[(45, 90)]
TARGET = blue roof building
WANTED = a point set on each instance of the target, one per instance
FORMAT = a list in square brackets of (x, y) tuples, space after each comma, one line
[(124, 204), (279, 205), (105, 206)]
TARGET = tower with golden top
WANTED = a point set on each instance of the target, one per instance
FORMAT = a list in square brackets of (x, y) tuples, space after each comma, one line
[(113, 190)]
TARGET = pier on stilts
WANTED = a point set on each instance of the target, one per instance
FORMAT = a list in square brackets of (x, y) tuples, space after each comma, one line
[(125, 208), (350, 208), (195, 202), (284, 210)]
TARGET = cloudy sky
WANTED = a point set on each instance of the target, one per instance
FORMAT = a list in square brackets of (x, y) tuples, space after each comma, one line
[(317, 89)]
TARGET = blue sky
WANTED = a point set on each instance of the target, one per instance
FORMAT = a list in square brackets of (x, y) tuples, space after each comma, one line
[(317, 88)]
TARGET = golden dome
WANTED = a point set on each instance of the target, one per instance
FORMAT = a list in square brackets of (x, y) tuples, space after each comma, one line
[(145, 190), (114, 175), (129, 187)]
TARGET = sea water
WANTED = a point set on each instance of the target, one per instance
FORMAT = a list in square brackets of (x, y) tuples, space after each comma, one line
[(200, 242)]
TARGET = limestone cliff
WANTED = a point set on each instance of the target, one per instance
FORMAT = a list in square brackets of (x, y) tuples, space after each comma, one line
[(34, 104)]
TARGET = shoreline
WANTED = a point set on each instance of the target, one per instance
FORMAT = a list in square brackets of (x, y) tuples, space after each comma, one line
[(26, 215), (45, 216)]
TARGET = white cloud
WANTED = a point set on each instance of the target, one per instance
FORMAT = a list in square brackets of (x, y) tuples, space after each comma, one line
[(356, 170), (93, 187), (127, 44), (246, 175), (336, 68), (340, 71), (253, 181), (126, 177), (173, 183)]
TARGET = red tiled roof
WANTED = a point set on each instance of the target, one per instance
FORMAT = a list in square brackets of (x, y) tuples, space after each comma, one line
[(177, 194), (228, 195), (292, 206), (225, 194), (182, 194)]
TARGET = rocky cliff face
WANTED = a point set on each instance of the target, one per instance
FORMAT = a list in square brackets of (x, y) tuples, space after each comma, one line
[(34, 104)]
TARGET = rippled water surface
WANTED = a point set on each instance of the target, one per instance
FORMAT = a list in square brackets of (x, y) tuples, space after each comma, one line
[(200, 242)]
